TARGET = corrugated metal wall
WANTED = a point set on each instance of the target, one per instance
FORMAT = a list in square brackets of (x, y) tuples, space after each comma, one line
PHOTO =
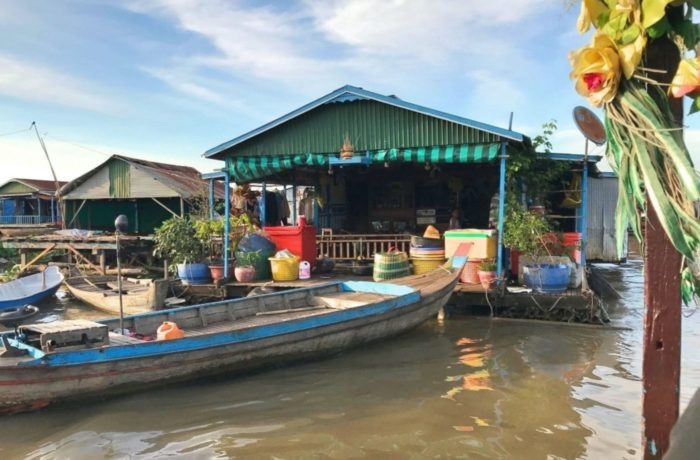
[(368, 124), (94, 187), (144, 185), (602, 199), (15, 188), (119, 179), (144, 215)]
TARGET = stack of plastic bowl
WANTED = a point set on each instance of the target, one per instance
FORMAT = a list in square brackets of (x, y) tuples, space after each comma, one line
[(426, 253)]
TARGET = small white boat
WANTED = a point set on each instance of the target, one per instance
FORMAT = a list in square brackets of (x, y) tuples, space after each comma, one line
[(30, 289)]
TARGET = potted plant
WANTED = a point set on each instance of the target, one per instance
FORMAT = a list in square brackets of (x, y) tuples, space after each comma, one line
[(176, 241), (487, 273), (527, 233), (211, 233), (245, 265)]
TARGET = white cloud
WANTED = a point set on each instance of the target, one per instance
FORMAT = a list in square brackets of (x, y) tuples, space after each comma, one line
[(28, 81), (312, 46)]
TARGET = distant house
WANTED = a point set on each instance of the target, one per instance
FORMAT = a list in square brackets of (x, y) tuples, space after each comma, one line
[(26, 202), (145, 191)]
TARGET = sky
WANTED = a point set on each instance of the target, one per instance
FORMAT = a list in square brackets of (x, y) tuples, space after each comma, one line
[(166, 80)]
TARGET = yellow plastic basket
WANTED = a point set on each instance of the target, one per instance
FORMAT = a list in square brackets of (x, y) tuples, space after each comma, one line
[(284, 269), (421, 266)]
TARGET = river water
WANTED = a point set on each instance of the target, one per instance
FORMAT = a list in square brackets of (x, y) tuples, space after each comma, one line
[(465, 388)]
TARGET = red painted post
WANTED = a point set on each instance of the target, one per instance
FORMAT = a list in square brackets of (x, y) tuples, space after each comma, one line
[(662, 316)]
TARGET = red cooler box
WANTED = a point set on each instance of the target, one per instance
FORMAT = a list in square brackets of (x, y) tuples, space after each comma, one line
[(300, 241)]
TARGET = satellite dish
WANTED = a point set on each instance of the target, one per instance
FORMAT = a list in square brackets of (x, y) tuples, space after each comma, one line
[(590, 126)]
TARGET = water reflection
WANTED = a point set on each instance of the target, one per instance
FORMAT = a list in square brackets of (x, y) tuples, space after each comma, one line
[(468, 387)]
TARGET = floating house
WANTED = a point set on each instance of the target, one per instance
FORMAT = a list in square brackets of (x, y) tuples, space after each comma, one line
[(28, 204), (380, 167), (145, 191)]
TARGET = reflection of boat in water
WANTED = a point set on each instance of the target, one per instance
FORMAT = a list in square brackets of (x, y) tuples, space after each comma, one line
[(56, 361), (30, 289), (102, 292)]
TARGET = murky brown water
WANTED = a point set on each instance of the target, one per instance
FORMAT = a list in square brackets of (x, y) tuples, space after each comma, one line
[(466, 388)]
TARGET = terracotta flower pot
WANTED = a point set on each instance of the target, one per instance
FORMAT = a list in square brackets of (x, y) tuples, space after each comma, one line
[(217, 271), (487, 279), (244, 274)]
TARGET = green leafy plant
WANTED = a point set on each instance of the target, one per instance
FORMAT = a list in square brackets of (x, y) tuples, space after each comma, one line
[(251, 258), (528, 169), (488, 266), (211, 231), (176, 240), (11, 273), (526, 231)]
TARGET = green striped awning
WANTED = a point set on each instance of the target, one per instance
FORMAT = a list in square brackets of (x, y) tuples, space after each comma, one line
[(247, 168)]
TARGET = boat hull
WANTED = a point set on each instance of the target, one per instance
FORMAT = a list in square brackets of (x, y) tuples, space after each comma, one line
[(25, 387), (31, 289)]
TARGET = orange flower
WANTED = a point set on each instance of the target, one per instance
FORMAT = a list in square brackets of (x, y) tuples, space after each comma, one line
[(687, 78)]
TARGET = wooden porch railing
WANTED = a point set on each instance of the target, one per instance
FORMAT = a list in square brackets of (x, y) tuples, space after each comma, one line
[(351, 247)]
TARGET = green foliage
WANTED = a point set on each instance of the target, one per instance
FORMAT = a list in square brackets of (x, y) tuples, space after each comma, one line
[(211, 232), (176, 240), (525, 231), (251, 258), (528, 168), (9, 253), (10, 274), (488, 266)]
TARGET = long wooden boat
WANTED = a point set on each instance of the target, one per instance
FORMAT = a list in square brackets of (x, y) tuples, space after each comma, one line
[(53, 362), (30, 289), (102, 292)]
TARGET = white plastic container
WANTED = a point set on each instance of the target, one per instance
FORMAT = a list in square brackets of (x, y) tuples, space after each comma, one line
[(304, 270)]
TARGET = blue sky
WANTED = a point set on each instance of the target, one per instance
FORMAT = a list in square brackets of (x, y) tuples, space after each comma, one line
[(168, 79)]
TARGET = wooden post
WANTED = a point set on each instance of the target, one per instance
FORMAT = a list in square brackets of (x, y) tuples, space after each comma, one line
[(103, 262), (662, 316)]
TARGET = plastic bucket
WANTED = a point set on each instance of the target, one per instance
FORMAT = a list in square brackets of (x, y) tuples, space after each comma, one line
[(304, 270), (169, 331), (470, 272), (572, 241), (284, 269)]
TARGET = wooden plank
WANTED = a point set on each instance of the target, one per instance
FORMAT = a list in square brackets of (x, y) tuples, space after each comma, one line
[(41, 254), (81, 257)]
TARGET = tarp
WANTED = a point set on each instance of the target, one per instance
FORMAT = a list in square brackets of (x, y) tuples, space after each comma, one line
[(247, 168)]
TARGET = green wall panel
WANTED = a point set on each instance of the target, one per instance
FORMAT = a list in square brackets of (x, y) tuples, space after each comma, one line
[(369, 125)]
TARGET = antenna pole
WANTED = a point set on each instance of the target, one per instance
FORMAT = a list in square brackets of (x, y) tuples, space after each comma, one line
[(53, 173)]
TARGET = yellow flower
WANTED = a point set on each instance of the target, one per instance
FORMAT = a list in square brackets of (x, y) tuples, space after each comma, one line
[(631, 54), (590, 12), (687, 78), (596, 69)]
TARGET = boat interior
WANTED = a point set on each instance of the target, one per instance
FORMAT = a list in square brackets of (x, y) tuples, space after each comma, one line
[(215, 317)]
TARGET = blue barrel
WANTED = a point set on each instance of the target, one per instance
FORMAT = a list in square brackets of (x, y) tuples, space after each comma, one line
[(194, 273)]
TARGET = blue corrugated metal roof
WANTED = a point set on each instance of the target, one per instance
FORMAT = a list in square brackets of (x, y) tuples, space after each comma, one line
[(350, 93)]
